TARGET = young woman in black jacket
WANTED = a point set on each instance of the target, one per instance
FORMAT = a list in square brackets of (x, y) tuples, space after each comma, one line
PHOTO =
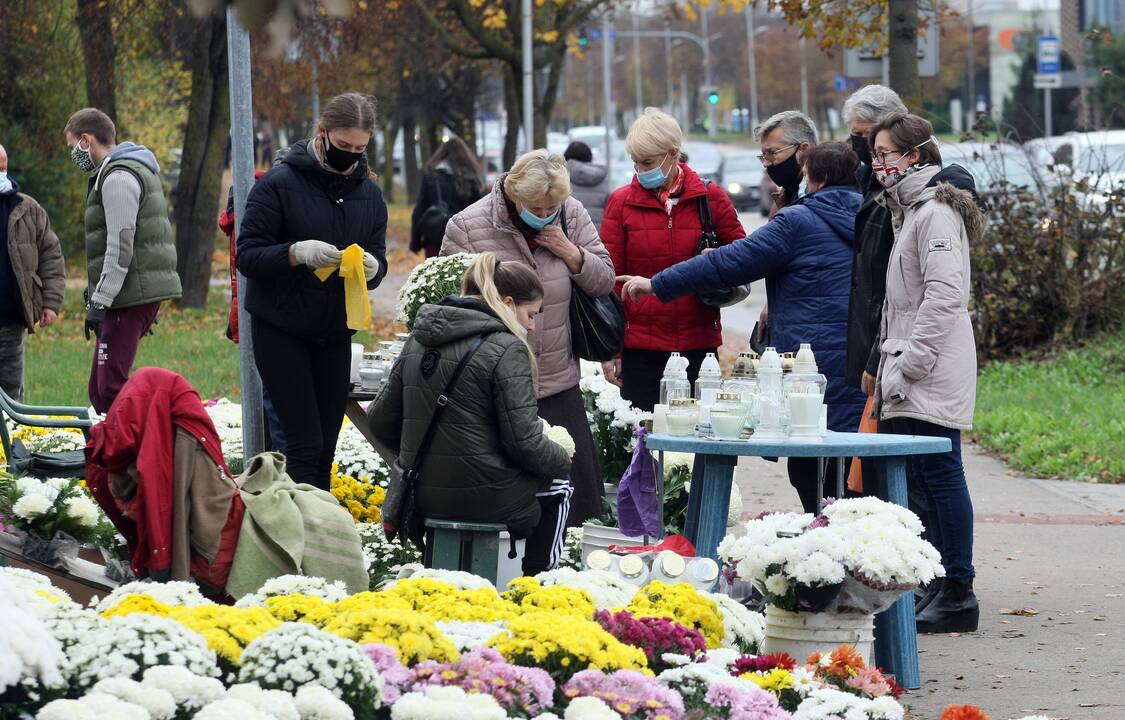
[(452, 179), (300, 217)]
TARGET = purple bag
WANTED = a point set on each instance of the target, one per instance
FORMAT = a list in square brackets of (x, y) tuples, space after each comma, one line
[(638, 508)]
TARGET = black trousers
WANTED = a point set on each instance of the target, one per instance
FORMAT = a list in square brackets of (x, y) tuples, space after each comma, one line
[(802, 476), (308, 383), (543, 547), (641, 371)]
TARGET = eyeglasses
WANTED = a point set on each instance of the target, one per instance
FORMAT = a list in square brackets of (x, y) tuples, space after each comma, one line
[(769, 155), (882, 156)]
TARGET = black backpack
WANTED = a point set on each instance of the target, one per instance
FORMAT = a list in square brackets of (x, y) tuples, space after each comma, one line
[(431, 226)]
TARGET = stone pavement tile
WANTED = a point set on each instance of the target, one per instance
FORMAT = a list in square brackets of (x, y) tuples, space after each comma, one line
[(1053, 548)]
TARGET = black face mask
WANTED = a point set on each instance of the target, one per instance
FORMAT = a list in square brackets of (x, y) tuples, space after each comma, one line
[(862, 149), (338, 159), (786, 174)]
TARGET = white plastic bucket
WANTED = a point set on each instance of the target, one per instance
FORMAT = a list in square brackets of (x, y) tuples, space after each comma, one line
[(600, 537), (508, 569), (802, 634)]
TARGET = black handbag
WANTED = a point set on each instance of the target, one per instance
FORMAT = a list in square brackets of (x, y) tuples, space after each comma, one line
[(399, 514), (710, 240), (597, 324), (431, 226)]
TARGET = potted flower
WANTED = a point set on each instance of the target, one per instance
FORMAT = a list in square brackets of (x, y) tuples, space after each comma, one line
[(51, 517), (431, 282)]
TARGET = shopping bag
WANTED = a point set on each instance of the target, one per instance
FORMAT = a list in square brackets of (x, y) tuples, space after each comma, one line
[(867, 424)]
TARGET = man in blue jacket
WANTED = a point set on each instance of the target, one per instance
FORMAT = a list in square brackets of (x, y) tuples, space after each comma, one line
[(805, 256)]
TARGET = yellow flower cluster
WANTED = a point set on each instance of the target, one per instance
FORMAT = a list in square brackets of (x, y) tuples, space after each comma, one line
[(532, 597), (442, 601), (369, 599), (683, 604), (564, 644), (363, 498), (300, 608), (228, 630), (414, 636), (138, 603), (773, 681)]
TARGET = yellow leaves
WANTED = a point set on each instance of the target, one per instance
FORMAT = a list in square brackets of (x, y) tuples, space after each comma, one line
[(551, 36), (495, 18)]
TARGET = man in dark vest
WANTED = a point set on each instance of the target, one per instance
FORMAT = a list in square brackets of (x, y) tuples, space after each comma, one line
[(130, 250)]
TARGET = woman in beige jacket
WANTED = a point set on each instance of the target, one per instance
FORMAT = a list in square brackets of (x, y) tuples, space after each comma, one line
[(927, 373), (522, 220)]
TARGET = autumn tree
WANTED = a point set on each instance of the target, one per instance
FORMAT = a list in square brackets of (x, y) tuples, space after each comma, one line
[(95, 25)]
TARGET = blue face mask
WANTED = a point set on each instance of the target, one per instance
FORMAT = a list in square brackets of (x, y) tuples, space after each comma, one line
[(534, 221), (652, 179)]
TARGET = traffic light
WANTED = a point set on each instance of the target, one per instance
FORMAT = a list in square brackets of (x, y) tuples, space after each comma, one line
[(583, 39), (713, 97)]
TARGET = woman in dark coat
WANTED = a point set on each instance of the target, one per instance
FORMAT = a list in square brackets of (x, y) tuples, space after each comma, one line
[(805, 256), (299, 218), (452, 183), (489, 459)]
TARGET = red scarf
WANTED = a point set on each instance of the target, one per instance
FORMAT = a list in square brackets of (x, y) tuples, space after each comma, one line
[(668, 197)]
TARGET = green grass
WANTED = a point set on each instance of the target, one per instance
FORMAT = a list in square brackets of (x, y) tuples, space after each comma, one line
[(192, 343), (1060, 417)]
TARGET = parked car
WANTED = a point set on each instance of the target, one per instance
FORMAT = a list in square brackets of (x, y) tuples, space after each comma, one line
[(742, 173), (706, 160)]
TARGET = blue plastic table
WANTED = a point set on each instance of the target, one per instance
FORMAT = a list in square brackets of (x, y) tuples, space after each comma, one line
[(896, 640)]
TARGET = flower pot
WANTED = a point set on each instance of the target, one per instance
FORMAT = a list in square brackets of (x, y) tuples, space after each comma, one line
[(600, 537), (508, 569), (802, 634)]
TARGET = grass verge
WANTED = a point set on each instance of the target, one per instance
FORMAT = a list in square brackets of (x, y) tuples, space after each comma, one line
[(1061, 417)]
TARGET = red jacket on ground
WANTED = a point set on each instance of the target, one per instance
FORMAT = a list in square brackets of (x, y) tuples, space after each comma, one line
[(226, 224), (140, 428), (643, 239)]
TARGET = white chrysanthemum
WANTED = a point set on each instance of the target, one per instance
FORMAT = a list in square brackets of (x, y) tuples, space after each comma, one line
[(66, 710), (167, 593), (111, 707), (817, 569), (187, 688), (228, 709), (158, 703), (447, 703), (560, 436), (327, 590), (467, 635), (83, 511), (743, 629), (607, 590), (589, 708), (28, 653), (274, 703), (777, 584), (315, 702), (31, 506), (457, 578)]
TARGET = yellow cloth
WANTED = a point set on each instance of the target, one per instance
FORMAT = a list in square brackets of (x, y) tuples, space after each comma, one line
[(355, 286)]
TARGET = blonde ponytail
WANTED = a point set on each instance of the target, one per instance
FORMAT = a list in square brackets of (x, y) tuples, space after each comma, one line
[(492, 281)]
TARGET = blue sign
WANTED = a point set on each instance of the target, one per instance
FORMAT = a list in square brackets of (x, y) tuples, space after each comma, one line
[(1050, 51), (594, 34), (840, 83)]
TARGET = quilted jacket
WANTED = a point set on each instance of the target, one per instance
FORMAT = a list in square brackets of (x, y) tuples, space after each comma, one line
[(805, 255), (489, 455), (643, 239), (485, 227)]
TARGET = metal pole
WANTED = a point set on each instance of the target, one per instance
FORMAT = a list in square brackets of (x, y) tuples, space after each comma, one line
[(711, 129), (972, 72), (752, 61), (804, 78), (1048, 130), (313, 65), (528, 79), (608, 113), (242, 171), (668, 67), (637, 84)]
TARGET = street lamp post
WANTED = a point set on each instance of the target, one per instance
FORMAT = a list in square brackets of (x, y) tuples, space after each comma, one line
[(752, 61), (528, 79), (637, 82), (711, 129), (609, 114)]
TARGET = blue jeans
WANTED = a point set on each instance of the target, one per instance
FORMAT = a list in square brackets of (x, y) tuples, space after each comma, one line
[(937, 488)]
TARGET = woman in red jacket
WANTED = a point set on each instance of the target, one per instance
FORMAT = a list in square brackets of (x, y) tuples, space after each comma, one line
[(649, 225)]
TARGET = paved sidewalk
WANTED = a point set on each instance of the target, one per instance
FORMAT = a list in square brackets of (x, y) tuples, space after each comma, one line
[(1053, 548)]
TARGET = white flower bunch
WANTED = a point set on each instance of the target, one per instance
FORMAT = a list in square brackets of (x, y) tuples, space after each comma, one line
[(315, 702), (125, 646), (32, 506), (30, 582), (227, 418), (589, 708), (715, 670), (273, 703), (296, 654), (190, 691), (447, 703), (83, 511), (384, 558), (743, 629), (469, 635), (327, 590), (356, 457), (95, 706), (888, 554), (48, 440), (560, 436), (607, 590), (157, 702), (572, 550), (71, 625), (828, 702), (431, 282), (28, 654), (231, 709), (457, 578), (169, 593), (850, 510)]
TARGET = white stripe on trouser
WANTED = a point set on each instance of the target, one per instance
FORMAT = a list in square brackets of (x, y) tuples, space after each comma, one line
[(559, 487)]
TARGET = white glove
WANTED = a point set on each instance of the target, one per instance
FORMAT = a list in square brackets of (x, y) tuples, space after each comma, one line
[(316, 254), (370, 266)]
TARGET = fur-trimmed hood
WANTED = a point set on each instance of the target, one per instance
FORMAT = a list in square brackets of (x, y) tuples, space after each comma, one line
[(966, 206)]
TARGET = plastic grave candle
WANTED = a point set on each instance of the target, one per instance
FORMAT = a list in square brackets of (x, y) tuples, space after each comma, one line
[(804, 390), (728, 416), (771, 397)]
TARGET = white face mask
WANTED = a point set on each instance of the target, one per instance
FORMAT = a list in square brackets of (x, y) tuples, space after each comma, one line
[(889, 174), (5, 183)]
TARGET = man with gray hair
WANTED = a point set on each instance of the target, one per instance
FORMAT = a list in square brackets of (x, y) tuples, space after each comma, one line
[(785, 139)]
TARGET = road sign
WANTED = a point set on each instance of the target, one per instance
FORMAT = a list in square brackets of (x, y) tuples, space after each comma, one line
[(867, 61), (1049, 54), (1048, 82), (840, 83)]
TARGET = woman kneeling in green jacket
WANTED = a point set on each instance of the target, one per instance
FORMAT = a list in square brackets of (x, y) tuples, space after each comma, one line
[(489, 460)]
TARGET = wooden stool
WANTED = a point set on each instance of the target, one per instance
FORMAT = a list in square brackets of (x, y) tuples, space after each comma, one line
[(472, 547)]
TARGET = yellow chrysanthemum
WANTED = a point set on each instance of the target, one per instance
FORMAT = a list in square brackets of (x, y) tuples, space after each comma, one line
[(228, 630), (561, 644), (300, 608), (414, 636), (773, 681), (139, 603), (683, 604)]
